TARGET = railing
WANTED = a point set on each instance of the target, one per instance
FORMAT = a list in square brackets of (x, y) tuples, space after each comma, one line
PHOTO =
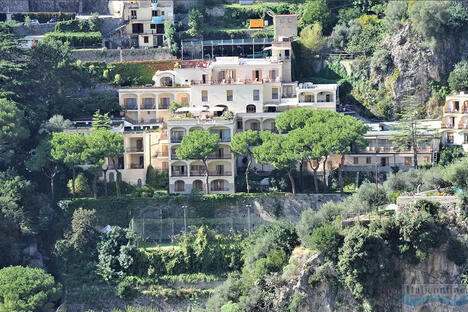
[(163, 106), (148, 106), (447, 126), (220, 174), (176, 139), (227, 81), (131, 107), (136, 166), (217, 156), (174, 157), (134, 149), (178, 174), (144, 122), (197, 173), (225, 139)]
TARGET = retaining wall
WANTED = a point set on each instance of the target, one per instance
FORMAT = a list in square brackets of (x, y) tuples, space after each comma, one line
[(78, 6), (121, 55)]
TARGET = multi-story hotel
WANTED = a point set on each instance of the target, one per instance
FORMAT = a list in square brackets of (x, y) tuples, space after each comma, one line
[(145, 19), (454, 127)]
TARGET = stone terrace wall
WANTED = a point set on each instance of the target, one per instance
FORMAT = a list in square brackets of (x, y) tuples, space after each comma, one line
[(448, 202), (122, 55), (78, 6)]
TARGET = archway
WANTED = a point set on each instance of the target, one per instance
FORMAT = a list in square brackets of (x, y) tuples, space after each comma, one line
[(179, 186)]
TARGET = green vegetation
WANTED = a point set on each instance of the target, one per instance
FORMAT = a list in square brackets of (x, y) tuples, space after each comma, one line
[(28, 289), (458, 79), (75, 39)]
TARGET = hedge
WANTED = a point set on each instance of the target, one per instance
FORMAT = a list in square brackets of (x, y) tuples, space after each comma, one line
[(44, 17), (72, 26), (77, 39)]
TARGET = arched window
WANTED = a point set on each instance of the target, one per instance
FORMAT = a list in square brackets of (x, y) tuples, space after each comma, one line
[(111, 177), (179, 186), (197, 185), (251, 108)]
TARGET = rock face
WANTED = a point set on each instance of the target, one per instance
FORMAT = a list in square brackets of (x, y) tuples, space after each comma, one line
[(417, 64), (326, 296)]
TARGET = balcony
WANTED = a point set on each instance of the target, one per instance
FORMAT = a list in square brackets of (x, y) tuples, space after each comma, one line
[(178, 174), (131, 107), (220, 174), (148, 106), (136, 166), (134, 150), (157, 19), (176, 139), (217, 156), (197, 173)]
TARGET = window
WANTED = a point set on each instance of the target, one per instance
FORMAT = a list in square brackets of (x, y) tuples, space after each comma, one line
[(130, 101), (229, 95), (254, 126), (145, 39), (155, 13), (273, 74), (286, 54), (133, 14), (356, 160), (179, 186), (274, 93), (164, 103), (204, 96), (256, 95), (408, 161), (465, 138), (153, 26), (165, 166), (148, 103), (162, 13), (368, 160), (239, 124), (251, 108)]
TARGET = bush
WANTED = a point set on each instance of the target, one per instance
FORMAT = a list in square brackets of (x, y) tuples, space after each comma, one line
[(328, 241), (81, 185), (126, 290), (457, 251), (457, 173), (428, 207), (449, 154), (77, 39), (28, 289), (43, 17), (458, 79), (72, 26)]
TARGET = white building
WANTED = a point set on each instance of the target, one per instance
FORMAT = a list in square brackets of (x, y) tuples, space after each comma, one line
[(454, 127)]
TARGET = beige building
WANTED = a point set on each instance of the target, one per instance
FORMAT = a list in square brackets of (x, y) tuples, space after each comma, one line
[(145, 19), (454, 126)]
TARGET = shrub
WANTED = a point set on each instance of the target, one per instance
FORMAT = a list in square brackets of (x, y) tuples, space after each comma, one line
[(457, 173), (328, 241), (458, 79), (126, 290), (77, 39), (27, 289), (427, 206), (450, 154), (81, 185), (457, 251), (230, 307), (433, 179)]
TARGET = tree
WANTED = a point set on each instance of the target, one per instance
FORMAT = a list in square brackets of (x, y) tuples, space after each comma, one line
[(83, 233), (117, 253), (16, 205), (170, 34), (348, 134), (458, 79), (199, 144), (293, 119), (101, 144), (328, 241), (279, 151), (311, 37), (12, 129), (101, 121), (242, 144), (56, 123), (411, 135), (12, 61), (43, 161), (67, 148), (195, 20), (457, 173), (28, 289), (315, 11)]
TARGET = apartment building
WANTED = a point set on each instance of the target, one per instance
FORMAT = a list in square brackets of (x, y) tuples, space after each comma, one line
[(454, 126), (381, 151), (145, 20)]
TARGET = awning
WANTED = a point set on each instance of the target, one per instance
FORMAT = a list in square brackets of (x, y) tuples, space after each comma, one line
[(183, 110)]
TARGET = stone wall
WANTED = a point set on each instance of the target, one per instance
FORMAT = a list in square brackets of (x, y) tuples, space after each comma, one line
[(34, 30), (447, 202), (78, 6), (121, 55)]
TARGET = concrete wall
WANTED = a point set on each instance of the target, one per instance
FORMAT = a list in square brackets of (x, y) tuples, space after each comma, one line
[(85, 6), (122, 55)]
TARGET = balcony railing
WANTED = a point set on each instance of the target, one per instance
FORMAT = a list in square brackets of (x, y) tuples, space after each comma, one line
[(148, 106), (220, 189), (136, 166), (178, 174), (134, 149), (225, 139), (224, 156), (174, 157), (163, 106), (197, 173), (220, 174), (176, 139), (131, 107)]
